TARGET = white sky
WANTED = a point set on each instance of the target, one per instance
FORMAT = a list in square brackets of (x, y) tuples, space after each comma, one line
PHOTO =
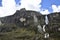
[(56, 8), (9, 7)]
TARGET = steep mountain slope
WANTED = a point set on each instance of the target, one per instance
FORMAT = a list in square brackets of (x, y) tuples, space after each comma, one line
[(28, 25), (26, 14)]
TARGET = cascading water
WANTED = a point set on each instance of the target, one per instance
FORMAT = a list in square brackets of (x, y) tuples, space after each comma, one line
[(44, 28), (40, 29), (46, 23), (46, 35), (46, 20)]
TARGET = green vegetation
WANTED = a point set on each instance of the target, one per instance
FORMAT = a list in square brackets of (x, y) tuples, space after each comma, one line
[(22, 33), (19, 33), (11, 28)]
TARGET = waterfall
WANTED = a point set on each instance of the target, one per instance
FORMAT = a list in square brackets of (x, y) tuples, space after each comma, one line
[(44, 28), (46, 23), (46, 20), (46, 35)]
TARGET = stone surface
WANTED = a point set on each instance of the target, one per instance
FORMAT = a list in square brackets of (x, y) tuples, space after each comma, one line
[(15, 28)]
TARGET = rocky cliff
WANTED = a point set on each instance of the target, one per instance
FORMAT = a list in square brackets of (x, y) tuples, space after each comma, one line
[(28, 25), (23, 14)]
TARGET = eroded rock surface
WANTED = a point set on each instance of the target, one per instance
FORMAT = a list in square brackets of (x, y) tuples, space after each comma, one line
[(28, 25)]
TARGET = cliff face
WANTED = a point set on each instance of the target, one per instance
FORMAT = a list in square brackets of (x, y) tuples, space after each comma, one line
[(23, 26), (54, 24), (54, 17), (54, 20), (23, 14)]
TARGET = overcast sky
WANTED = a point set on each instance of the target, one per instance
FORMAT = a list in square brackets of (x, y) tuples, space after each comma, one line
[(9, 7)]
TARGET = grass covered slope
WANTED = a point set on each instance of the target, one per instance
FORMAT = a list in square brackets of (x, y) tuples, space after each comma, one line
[(17, 33)]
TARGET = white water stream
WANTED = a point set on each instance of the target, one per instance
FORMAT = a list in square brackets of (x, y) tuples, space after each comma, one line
[(46, 35)]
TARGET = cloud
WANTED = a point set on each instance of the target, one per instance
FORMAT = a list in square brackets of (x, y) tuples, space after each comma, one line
[(44, 12), (33, 5), (56, 8), (30, 4), (8, 8)]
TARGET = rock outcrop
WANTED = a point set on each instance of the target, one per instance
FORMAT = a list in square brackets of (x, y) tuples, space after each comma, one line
[(23, 26), (21, 15)]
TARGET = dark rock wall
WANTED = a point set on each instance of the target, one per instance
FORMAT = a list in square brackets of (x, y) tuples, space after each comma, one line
[(28, 15), (25, 18), (54, 24), (54, 17)]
